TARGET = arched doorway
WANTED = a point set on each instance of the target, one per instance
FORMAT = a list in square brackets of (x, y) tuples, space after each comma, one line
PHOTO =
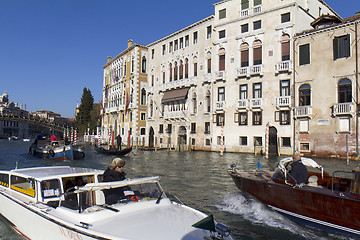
[(182, 136), (273, 141), (151, 137)]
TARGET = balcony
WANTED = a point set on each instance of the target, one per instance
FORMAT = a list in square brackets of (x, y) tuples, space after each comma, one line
[(187, 82), (284, 66), (220, 76), (256, 70), (343, 109), (242, 104), (256, 103), (303, 111), (244, 13), (220, 106), (175, 114), (243, 72), (283, 102), (257, 9), (207, 78)]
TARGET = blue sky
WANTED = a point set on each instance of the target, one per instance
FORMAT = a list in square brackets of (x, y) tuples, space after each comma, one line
[(51, 49)]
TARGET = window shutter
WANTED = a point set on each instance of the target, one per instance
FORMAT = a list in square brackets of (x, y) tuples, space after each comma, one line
[(285, 49), (347, 46), (336, 48), (221, 62), (257, 56), (236, 117)]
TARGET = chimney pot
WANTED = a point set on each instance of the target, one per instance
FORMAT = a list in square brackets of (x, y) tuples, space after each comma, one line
[(108, 59), (130, 42)]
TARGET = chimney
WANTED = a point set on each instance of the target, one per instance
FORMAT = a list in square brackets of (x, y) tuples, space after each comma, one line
[(108, 59), (130, 43)]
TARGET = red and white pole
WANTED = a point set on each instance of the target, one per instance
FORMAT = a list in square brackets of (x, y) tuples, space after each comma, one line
[(267, 141), (75, 137), (222, 140), (72, 135)]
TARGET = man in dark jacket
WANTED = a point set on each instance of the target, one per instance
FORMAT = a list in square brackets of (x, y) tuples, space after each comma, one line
[(298, 170), (115, 172)]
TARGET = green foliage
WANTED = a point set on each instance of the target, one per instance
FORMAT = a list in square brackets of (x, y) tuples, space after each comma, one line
[(88, 116)]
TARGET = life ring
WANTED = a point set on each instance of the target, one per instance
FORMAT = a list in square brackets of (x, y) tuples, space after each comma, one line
[(51, 152), (134, 198)]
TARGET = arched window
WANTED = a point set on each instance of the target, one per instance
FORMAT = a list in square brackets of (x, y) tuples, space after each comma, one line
[(345, 90), (143, 97), (171, 75), (222, 59), (194, 103), (143, 65), (181, 70), (244, 52), (285, 47), (186, 68), (209, 62), (257, 48), (175, 71), (305, 95), (195, 67), (151, 108)]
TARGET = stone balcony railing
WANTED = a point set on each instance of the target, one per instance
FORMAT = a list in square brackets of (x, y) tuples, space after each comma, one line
[(187, 82), (248, 71), (284, 101), (344, 109), (242, 104), (219, 106), (243, 72), (256, 103), (248, 12), (284, 66), (176, 114), (303, 111), (220, 76), (256, 70)]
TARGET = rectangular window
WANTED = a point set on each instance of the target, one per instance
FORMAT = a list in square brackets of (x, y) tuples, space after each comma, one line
[(50, 188), (181, 43), (207, 127), (161, 128), (169, 128), (243, 92), (143, 117), (195, 69), (170, 47), (220, 119), (187, 40), (344, 124), (341, 47), (207, 142), (257, 25), (195, 34), (285, 142), (243, 141), (257, 2), (285, 17), (257, 118), (219, 140), (243, 118), (142, 131), (23, 185), (209, 65), (221, 94), (176, 45), (163, 49), (258, 55), (4, 180), (284, 88), (304, 126), (222, 13), (304, 146), (221, 34), (244, 4), (193, 128), (257, 90), (258, 141), (304, 57), (222, 62), (244, 28), (209, 30), (285, 117)]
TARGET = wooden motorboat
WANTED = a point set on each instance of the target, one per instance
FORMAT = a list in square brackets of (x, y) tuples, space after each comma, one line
[(69, 203), (331, 201), (113, 151)]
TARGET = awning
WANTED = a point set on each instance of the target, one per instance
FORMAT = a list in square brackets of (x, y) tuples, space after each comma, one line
[(175, 95)]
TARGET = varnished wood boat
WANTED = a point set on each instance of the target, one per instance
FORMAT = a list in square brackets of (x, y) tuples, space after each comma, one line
[(113, 151), (331, 201)]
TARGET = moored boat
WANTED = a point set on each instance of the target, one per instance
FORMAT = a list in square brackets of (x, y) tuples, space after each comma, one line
[(56, 150), (330, 201), (69, 203), (113, 151)]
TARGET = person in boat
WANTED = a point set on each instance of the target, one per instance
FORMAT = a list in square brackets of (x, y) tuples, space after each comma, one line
[(118, 142), (114, 172), (298, 170)]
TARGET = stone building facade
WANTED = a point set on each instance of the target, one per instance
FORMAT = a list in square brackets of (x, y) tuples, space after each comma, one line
[(220, 82), (124, 94), (326, 89)]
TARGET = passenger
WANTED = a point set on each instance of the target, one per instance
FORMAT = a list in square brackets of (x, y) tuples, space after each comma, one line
[(118, 142), (115, 172), (298, 170)]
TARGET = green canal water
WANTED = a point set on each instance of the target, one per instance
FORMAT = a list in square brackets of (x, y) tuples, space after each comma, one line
[(198, 179)]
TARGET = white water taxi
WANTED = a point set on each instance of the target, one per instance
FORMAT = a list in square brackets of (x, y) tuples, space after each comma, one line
[(69, 203)]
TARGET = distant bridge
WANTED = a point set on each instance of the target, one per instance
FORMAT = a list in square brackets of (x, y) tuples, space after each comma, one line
[(34, 121)]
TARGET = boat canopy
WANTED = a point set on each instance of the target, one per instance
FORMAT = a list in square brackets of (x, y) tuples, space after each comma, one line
[(306, 161)]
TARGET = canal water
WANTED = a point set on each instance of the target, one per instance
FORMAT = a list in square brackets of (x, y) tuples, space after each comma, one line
[(198, 179)]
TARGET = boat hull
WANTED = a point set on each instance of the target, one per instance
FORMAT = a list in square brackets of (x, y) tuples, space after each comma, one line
[(328, 208), (113, 152), (67, 152)]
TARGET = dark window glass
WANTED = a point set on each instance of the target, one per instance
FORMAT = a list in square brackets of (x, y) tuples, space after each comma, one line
[(244, 28), (345, 91), (285, 17), (244, 4), (304, 57), (284, 117), (304, 95), (257, 118), (221, 34), (243, 118), (341, 47), (222, 13), (257, 25)]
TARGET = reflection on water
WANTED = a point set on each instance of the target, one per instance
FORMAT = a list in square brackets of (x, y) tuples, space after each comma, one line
[(199, 179)]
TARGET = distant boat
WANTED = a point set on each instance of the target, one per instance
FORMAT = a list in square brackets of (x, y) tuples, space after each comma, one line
[(56, 150), (26, 139), (113, 151), (13, 138)]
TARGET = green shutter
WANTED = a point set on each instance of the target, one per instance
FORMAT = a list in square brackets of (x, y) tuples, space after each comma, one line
[(336, 48), (347, 46), (257, 2)]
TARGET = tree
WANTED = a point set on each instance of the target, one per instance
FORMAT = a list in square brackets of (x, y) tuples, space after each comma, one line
[(83, 118)]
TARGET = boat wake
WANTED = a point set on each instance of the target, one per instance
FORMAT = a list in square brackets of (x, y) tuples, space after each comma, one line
[(259, 214)]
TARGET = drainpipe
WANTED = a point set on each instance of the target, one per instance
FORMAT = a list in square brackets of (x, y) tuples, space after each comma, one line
[(357, 87)]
